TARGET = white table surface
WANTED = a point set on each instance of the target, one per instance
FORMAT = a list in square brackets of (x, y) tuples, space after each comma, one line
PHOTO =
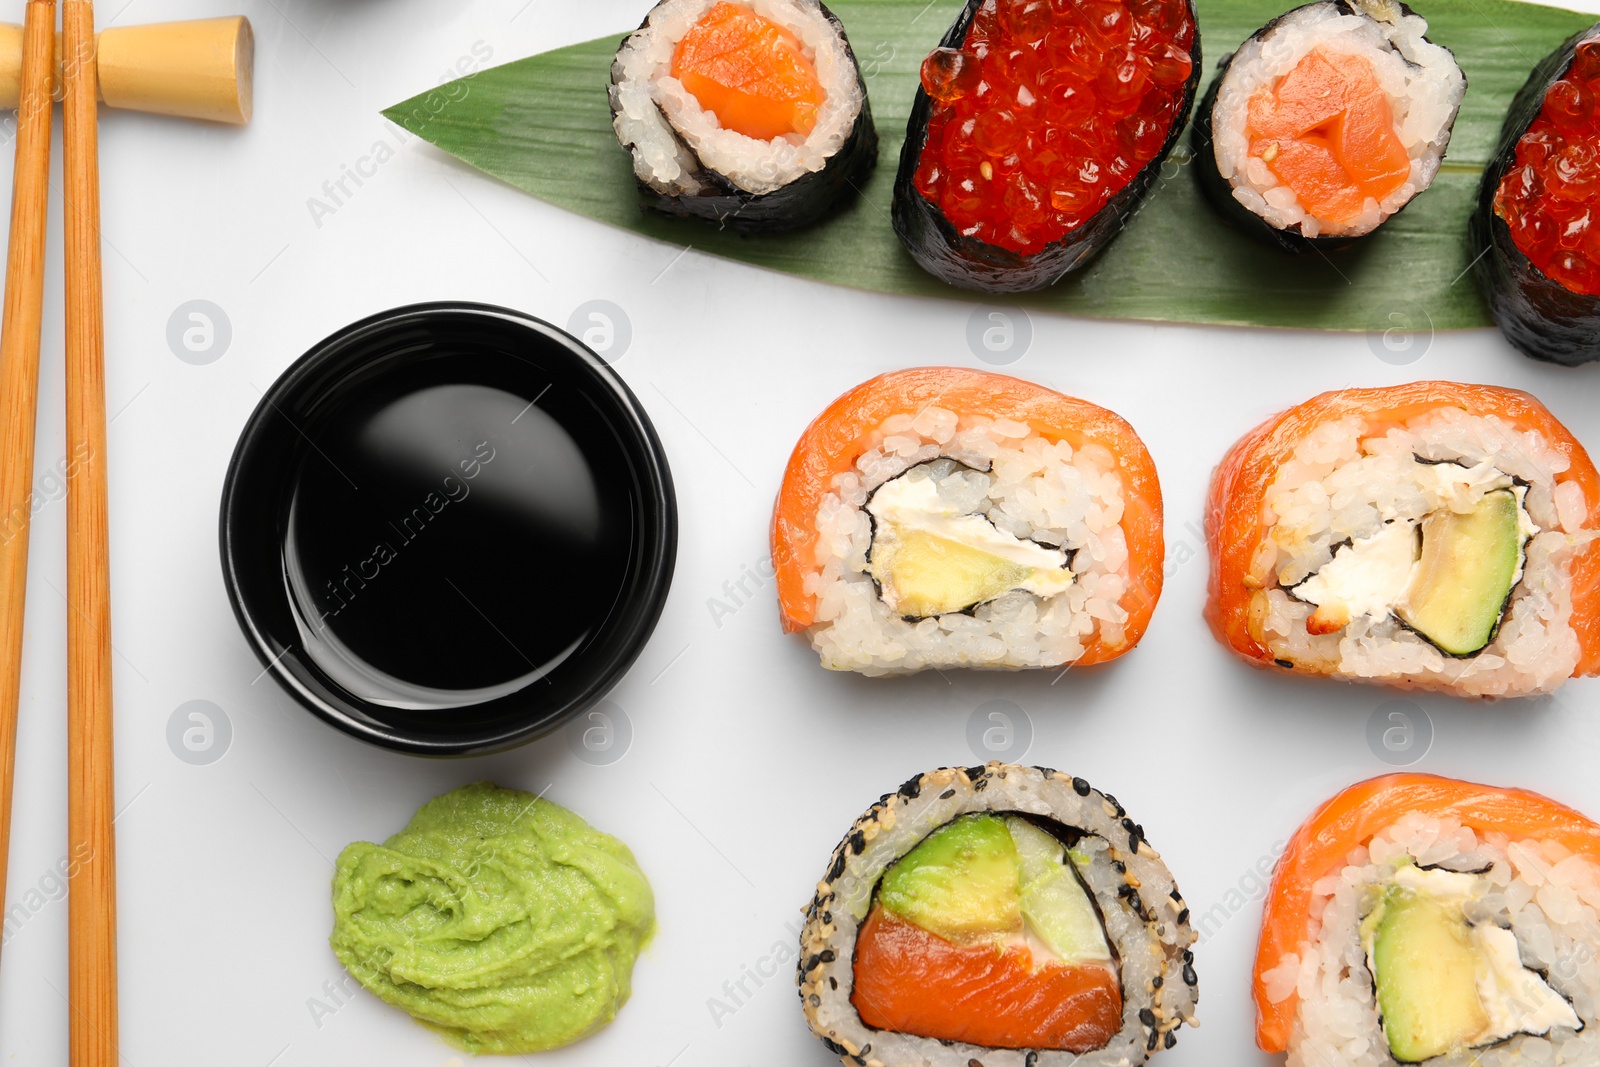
[(746, 760)]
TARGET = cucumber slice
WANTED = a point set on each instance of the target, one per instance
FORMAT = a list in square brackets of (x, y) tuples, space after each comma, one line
[(1054, 903)]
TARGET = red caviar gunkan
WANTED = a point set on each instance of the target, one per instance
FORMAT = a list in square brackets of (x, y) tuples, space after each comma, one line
[(1047, 110), (1551, 193)]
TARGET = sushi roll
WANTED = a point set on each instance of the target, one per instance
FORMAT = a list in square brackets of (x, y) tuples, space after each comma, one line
[(1002, 915), (1038, 128), (1433, 535), (1536, 252), (941, 517), (752, 114), (1326, 122), (1419, 919)]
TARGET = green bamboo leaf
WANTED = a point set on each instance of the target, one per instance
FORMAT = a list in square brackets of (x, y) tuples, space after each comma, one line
[(543, 125)]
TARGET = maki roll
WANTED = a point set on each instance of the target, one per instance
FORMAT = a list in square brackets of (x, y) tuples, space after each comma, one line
[(1536, 251), (1432, 535), (1003, 915), (1327, 121), (750, 114), (942, 517), (1036, 131), (1419, 919)]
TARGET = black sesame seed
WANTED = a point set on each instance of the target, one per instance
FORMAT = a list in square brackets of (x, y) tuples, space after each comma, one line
[(827, 955), (834, 1047), (912, 788), (1172, 1038), (1133, 843), (1030, 1060), (1188, 955), (974, 1063), (1155, 983), (1129, 825), (827, 917), (1287, 665), (1119, 866), (947, 794), (1147, 1016), (975, 773), (866, 1048), (837, 869), (833, 983), (858, 842), (1183, 916), (811, 964), (1113, 802), (1189, 977), (816, 1001), (1048, 772), (1155, 1039), (1080, 787)]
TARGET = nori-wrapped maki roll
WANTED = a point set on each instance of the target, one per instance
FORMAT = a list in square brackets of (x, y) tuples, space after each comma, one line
[(1326, 122), (1037, 130), (752, 115), (998, 916), (1536, 250)]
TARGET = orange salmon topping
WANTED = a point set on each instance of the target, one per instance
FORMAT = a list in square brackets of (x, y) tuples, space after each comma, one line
[(914, 982), (749, 72), (1327, 131)]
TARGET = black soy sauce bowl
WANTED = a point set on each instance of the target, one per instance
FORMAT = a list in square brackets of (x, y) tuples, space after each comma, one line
[(448, 529)]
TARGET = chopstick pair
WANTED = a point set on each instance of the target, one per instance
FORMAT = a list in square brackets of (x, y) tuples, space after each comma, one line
[(92, 982)]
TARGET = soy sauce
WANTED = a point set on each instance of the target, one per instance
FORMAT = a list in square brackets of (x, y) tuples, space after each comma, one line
[(456, 531)]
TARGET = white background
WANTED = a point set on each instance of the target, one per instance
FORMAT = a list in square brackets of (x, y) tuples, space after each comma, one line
[(747, 761)]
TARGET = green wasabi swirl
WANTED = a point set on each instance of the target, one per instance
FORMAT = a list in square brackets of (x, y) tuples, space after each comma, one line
[(504, 922)]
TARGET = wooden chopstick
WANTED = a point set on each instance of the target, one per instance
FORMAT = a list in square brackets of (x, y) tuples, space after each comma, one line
[(92, 897), (19, 376)]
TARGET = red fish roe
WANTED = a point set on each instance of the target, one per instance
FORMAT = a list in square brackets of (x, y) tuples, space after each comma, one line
[(1047, 110), (1552, 189)]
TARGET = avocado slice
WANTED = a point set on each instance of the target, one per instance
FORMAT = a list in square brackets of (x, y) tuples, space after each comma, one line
[(1054, 903), (962, 882), (933, 575), (1425, 970), (1470, 563)]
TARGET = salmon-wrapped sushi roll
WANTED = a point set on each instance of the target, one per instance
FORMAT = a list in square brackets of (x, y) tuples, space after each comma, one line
[(1431, 535), (942, 517), (1003, 915), (1419, 919)]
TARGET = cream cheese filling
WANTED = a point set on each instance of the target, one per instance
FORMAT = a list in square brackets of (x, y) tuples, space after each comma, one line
[(1371, 575), (1515, 999), (912, 503)]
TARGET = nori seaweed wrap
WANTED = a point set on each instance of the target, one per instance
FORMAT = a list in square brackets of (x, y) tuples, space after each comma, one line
[(1274, 182), (1545, 318), (1036, 133), (766, 163)]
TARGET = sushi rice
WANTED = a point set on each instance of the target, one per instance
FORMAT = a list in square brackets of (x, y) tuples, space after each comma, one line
[(1421, 79), (1027, 486), (1341, 485), (674, 141), (1547, 896)]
